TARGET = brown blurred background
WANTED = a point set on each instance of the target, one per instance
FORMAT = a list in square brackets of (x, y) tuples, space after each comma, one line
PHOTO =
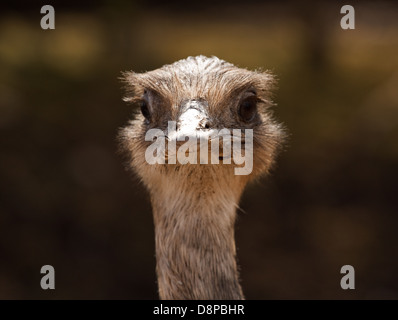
[(66, 200)]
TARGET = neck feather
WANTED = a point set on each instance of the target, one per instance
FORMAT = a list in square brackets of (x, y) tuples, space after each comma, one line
[(194, 230)]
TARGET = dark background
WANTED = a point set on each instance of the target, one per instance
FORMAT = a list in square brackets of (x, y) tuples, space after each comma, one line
[(66, 200)]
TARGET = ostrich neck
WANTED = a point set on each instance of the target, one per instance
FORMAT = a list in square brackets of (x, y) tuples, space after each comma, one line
[(195, 246)]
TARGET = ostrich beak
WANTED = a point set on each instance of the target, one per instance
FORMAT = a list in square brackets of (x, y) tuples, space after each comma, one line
[(192, 122)]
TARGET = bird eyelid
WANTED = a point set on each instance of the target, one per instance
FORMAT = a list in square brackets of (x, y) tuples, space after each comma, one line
[(149, 97), (243, 92), (250, 94)]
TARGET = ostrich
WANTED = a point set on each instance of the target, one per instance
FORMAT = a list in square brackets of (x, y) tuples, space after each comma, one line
[(194, 205)]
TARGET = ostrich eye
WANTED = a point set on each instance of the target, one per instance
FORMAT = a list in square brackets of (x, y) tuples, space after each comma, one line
[(145, 110), (248, 108)]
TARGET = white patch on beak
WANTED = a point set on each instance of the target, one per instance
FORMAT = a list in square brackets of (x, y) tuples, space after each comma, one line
[(190, 126), (189, 122)]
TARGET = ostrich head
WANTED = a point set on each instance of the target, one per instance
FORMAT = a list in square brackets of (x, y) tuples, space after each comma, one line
[(194, 204)]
